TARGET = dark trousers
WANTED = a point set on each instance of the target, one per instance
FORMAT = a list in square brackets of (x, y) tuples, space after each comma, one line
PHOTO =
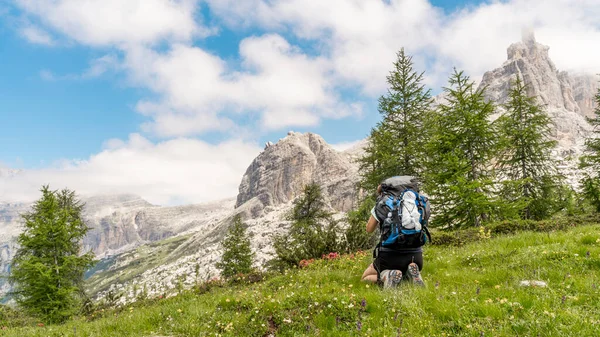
[(397, 260)]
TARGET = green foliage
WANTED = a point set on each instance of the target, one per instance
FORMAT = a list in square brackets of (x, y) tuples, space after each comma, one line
[(313, 232), (48, 268), (356, 235), (591, 190), (237, 254), (590, 161), (525, 159), (465, 236), (396, 143), (468, 293), (12, 317), (462, 143)]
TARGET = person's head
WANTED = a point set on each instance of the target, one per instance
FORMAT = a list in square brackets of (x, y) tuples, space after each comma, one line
[(379, 189)]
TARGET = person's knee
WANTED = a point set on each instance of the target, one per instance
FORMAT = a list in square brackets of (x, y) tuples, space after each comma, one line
[(369, 278), (369, 274)]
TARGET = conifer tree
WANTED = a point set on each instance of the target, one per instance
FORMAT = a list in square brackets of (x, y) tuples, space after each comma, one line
[(356, 234), (313, 232), (461, 145), (48, 268), (396, 142), (525, 162), (590, 161), (237, 253)]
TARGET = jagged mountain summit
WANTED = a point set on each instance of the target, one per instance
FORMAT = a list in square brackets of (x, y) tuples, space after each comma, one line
[(266, 193), (280, 172), (567, 98), (144, 244)]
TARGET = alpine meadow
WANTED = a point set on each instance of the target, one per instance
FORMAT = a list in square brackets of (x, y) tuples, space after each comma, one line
[(433, 186)]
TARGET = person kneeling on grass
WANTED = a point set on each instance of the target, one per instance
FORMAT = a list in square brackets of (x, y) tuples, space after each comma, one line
[(401, 214)]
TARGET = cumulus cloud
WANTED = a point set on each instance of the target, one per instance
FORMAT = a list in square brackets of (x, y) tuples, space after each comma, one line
[(177, 171), (116, 22), (198, 92), (275, 84), (98, 67), (364, 35), (343, 146), (36, 35)]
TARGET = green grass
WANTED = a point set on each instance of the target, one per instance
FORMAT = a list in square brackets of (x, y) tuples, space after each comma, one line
[(141, 259), (472, 290)]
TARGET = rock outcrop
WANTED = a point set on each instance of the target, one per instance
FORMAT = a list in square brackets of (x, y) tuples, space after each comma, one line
[(280, 172), (567, 99)]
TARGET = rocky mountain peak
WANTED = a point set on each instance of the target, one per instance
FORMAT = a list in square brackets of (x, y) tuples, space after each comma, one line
[(531, 61), (529, 48), (567, 98), (280, 172)]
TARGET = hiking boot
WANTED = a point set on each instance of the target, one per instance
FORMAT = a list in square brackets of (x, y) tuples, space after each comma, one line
[(391, 278), (415, 275)]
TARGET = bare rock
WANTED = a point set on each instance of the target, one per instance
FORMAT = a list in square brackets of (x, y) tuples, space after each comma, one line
[(529, 283), (279, 174), (567, 99)]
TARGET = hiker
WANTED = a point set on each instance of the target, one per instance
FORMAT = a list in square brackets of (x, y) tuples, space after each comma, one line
[(401, 213)]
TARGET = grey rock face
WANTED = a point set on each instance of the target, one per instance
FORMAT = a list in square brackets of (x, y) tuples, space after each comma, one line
[(530, 61), (566, 98), (118, 223), (585, 88), (122, 222), (7, 251), (281, 171)]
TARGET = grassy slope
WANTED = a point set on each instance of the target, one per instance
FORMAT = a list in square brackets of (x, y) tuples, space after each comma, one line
[(140, 259), (471, 291)]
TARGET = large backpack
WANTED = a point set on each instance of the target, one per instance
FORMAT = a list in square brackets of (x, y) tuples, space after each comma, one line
[(403, 214)]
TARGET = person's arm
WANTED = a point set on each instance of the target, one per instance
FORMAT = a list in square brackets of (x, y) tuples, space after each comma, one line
[(372, 224)]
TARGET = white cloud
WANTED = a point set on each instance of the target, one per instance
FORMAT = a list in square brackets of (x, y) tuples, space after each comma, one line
[(36, 35), (275, 83), (47, 75), (101, 65), (116, 22), (175, 171), (343, 146), (98, 67), (361, 37), (199, 92)]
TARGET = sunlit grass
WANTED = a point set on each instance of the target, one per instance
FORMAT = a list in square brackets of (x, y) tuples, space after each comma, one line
[(472, 290)]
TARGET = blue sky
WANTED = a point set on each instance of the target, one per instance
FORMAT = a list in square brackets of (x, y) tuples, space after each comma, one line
[(83, 84), (48, 120)]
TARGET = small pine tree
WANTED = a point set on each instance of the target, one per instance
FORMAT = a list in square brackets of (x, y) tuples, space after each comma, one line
[(396, 143), (461, 146), (525, 160), (48, 268), (356, 235), (313, 232), (237, 252), (590, 161)]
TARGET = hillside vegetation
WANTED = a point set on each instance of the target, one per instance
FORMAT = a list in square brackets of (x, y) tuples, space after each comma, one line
[(473, 289)]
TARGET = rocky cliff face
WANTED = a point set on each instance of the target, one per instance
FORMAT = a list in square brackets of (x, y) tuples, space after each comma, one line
[(567, 99), (266, 193), (280, 172), (118, 223)]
